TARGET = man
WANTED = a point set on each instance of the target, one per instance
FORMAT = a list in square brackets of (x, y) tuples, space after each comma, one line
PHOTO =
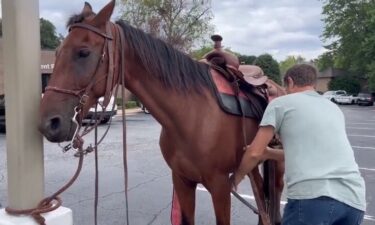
[(324, 185)]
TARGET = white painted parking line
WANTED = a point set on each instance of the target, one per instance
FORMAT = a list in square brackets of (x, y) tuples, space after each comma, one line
[(367, 217), (242, 195), (360, 128), (366, 148), (359, 135), (368, 123), (370, 218), (367, 169)]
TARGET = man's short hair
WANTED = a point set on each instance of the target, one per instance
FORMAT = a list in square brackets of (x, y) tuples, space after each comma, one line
[(302, 75)]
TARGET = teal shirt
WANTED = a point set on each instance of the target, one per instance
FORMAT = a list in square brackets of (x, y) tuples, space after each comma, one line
[(319, 160)]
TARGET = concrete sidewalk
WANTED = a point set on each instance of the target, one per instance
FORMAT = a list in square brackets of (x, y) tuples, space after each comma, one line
[(129, 111)]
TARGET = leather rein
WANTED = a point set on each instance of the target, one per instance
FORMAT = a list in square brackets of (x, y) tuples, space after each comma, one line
[(53, 202)]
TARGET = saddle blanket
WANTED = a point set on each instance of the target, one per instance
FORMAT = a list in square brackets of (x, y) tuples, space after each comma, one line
[(252, 105)]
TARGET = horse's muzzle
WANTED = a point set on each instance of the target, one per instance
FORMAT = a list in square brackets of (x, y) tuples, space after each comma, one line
[(54, 129)]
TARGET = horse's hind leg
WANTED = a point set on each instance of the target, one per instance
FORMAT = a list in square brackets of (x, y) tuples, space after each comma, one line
[(280, 168), (185, 190), (220, 188)]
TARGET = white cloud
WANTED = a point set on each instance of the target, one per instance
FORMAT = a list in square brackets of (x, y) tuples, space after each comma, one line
[(251, 27), (279, 27)]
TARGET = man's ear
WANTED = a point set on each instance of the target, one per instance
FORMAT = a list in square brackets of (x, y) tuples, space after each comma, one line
[(290, 82)]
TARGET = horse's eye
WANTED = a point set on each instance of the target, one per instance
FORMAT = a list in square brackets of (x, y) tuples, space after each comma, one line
[(83, 53)]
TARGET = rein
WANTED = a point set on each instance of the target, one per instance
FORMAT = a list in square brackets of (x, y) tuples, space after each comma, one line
[(53, 202)]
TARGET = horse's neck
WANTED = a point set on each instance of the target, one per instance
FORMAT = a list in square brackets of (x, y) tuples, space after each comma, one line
[(167, 105)]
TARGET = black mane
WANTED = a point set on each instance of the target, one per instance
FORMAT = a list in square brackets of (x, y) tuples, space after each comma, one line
[(173, 68), (78, 18)]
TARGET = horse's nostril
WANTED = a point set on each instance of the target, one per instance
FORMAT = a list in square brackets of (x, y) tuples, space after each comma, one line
[(55, 123)]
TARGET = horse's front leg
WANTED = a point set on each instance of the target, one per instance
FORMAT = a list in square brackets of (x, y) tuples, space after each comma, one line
[(219, 186), (185, 191)]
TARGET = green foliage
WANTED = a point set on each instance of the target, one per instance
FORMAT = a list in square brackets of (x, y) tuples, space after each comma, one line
[(199, 53), (371, 77), (269, 66), (48, 36), (247, 59), (180, 23), (348, 83), (325, 61), (131, 104), (289, 62), (351, 24)]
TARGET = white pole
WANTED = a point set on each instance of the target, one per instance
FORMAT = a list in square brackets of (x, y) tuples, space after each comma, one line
[(21, 40), (21, 44)]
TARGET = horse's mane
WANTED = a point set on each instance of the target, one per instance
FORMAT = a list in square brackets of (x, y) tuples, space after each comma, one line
[(78, 18), (173, 68)]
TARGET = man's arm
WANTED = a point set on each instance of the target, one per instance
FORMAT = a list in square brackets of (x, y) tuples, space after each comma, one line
[(255, 153), (274, 154)]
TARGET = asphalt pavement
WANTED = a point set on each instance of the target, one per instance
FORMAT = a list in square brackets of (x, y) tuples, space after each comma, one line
[(150, 185)]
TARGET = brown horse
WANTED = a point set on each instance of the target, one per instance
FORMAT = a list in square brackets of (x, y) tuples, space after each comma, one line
[(200, 143)]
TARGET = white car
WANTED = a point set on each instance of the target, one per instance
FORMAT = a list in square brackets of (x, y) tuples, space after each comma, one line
[(346, 99), (333, 95), (110, 111)]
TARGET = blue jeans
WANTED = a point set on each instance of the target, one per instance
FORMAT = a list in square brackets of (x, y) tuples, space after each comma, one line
[(320, 211)]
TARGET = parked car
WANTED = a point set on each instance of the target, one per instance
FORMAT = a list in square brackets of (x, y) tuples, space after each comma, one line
[(2, 113), (346, 99), (144, 109), (106, 115), (365, 99), (333, 95)]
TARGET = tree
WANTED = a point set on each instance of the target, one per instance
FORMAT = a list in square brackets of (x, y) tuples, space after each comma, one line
[(269, 66), (247, 59), (289, 62), (348, 83), (325, 61), (351, 24), (48, 36), (199, 53), (181, 23)]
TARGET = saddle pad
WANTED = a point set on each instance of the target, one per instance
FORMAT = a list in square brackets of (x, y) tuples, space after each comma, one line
[(252, 105)]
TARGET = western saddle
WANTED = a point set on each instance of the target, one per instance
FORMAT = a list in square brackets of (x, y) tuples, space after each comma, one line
[(219, 58)]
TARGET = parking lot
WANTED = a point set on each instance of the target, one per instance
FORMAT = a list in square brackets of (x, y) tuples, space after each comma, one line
[(150, 187)]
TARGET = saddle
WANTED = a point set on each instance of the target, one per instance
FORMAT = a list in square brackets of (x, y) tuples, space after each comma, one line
[(240, 89)]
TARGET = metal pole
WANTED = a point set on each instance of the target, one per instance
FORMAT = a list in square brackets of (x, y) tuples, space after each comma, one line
[(22, 96)]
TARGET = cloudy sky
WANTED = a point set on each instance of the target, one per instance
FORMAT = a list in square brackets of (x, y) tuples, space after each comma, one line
[(251, 27)]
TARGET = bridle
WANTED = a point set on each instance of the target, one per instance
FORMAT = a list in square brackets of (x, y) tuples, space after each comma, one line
[(83, 95)]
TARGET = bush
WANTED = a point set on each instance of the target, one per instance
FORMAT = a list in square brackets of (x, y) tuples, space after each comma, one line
[(128, 105), (269, 66), (348, 83), (131, 104)]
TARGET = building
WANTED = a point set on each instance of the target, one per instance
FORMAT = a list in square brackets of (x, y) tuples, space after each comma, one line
[(325, 76), (47, 62), (46, 66)]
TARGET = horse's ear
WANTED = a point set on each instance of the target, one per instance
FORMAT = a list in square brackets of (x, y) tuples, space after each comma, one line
[(87, 9), (105, 14)]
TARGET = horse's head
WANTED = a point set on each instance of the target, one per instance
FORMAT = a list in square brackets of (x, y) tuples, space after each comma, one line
[(81, 73)]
